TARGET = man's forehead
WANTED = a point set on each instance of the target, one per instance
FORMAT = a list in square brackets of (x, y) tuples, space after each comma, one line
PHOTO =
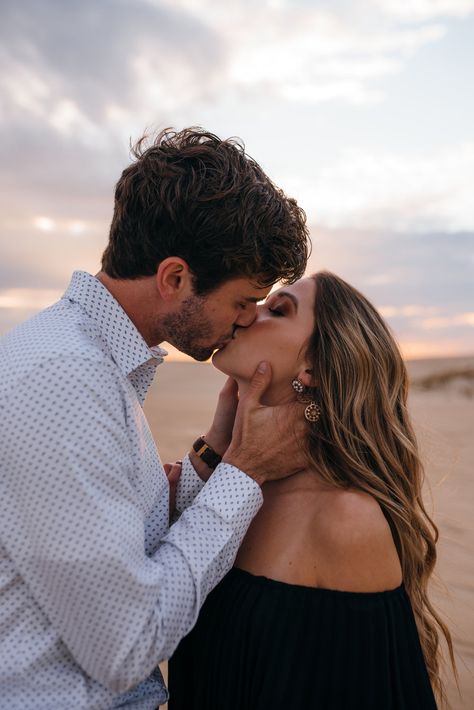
[(255, 294), (249, 290)]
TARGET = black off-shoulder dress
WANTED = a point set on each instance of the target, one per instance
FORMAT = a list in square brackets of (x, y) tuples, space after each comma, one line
[(260, 644)]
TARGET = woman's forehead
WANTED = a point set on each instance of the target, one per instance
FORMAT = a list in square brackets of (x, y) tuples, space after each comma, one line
[(303, 288)]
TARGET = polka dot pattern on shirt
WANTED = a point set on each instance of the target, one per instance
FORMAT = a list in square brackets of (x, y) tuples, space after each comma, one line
[(95, 588)]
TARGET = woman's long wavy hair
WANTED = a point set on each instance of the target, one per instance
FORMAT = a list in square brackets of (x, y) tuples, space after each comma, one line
[(364, 439)]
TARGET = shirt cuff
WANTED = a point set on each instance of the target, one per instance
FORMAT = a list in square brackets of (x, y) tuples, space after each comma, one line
[(210, 531), (233, 495), (189, 485)]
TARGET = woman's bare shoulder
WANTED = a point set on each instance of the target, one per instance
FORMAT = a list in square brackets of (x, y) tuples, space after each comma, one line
[(354, 547)]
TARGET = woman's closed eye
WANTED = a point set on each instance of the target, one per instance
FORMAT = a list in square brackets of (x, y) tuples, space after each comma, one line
[(276, 311)]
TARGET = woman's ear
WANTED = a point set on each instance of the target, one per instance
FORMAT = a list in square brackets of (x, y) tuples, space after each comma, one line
[(306, 376)]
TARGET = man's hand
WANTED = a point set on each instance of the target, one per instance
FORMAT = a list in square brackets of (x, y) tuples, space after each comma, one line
[(267, 442)]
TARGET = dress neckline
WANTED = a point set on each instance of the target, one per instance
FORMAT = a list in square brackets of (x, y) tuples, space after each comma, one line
[(276, 583)]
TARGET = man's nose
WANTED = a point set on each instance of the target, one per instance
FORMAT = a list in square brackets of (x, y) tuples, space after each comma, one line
[(246, 318)]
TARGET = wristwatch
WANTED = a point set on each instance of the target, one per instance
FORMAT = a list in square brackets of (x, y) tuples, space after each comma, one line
[(206, 453)]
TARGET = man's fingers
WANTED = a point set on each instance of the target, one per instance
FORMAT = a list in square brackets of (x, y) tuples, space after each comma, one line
[(259, 382), (300, 425), (173, 471), (230, 388)]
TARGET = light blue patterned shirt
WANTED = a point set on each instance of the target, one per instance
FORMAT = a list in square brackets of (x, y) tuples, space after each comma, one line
[(95, 588)]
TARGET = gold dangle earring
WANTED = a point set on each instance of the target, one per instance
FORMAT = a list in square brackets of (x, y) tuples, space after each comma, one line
[(313, 411)]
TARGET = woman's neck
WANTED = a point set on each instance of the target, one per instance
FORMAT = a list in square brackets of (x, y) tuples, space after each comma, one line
[(273, 396)]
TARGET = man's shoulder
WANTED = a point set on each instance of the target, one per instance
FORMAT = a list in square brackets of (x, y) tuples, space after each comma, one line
[(49, 340)]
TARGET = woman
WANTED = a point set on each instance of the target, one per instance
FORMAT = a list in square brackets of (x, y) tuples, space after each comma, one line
[(327, 604)]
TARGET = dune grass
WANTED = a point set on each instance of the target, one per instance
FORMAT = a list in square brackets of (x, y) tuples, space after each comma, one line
[(460, 380)]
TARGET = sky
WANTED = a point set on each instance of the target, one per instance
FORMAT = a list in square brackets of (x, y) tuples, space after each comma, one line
[(363, 111)]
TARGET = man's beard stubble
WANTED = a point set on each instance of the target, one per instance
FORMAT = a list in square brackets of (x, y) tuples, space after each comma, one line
[(188, 327)]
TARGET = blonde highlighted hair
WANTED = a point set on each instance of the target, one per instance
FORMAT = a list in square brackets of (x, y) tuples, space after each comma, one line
[(365, 440)]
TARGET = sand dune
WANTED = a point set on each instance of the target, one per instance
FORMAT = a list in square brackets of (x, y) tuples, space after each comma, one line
[(180, 407)]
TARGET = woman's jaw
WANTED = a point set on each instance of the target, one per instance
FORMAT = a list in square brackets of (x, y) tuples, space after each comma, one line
[(279, 335), (231, 364)]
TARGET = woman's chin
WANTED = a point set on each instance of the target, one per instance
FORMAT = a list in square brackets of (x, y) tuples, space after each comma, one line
[(224, 361), (218, 360)]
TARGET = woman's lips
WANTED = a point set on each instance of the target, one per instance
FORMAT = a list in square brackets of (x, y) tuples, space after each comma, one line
[(223, 345)]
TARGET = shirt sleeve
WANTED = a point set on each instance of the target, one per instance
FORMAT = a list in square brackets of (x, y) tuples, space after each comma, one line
[(189, 485), (73, 524)]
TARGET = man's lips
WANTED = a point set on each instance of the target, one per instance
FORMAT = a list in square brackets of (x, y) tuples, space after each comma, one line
[(222, 345), (226, 342)]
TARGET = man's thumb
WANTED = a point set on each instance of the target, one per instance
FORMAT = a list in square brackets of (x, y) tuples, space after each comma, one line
[(260, 381)]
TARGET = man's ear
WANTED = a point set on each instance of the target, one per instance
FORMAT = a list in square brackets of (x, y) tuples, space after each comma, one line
[(173, 278)]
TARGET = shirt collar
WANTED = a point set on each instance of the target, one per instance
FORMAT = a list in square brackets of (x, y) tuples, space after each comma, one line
[(125, 343)]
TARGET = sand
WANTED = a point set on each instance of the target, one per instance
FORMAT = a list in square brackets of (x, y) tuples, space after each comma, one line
[(180, 407)]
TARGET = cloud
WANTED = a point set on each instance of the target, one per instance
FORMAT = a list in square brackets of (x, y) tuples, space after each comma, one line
[(421, 283), (77, 60), (78, 79), (416, 10), (33, 299), (423, 274), (409, 192), (326, 59), (425, 290), (414, 348), (85, 69), (436, 323), (311, 52), (34, 258), (408, 311)]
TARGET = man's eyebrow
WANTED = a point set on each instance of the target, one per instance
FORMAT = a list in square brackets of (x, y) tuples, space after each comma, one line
[(253, 299), (289, 295)]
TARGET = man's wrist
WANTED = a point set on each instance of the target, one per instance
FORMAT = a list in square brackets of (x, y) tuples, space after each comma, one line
[(233, 459)]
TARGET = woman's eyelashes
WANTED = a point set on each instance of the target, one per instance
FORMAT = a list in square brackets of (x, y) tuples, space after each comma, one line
[(276, 311)]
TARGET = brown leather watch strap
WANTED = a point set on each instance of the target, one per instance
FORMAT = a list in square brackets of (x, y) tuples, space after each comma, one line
[(206, 453)]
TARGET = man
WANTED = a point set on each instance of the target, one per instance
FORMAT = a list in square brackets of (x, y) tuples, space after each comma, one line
[(95, 588)]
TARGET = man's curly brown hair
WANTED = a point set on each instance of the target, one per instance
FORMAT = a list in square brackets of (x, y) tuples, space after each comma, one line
[(191, 194)]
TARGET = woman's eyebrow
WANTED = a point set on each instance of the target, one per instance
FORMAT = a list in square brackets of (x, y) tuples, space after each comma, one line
[(289, 295)]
